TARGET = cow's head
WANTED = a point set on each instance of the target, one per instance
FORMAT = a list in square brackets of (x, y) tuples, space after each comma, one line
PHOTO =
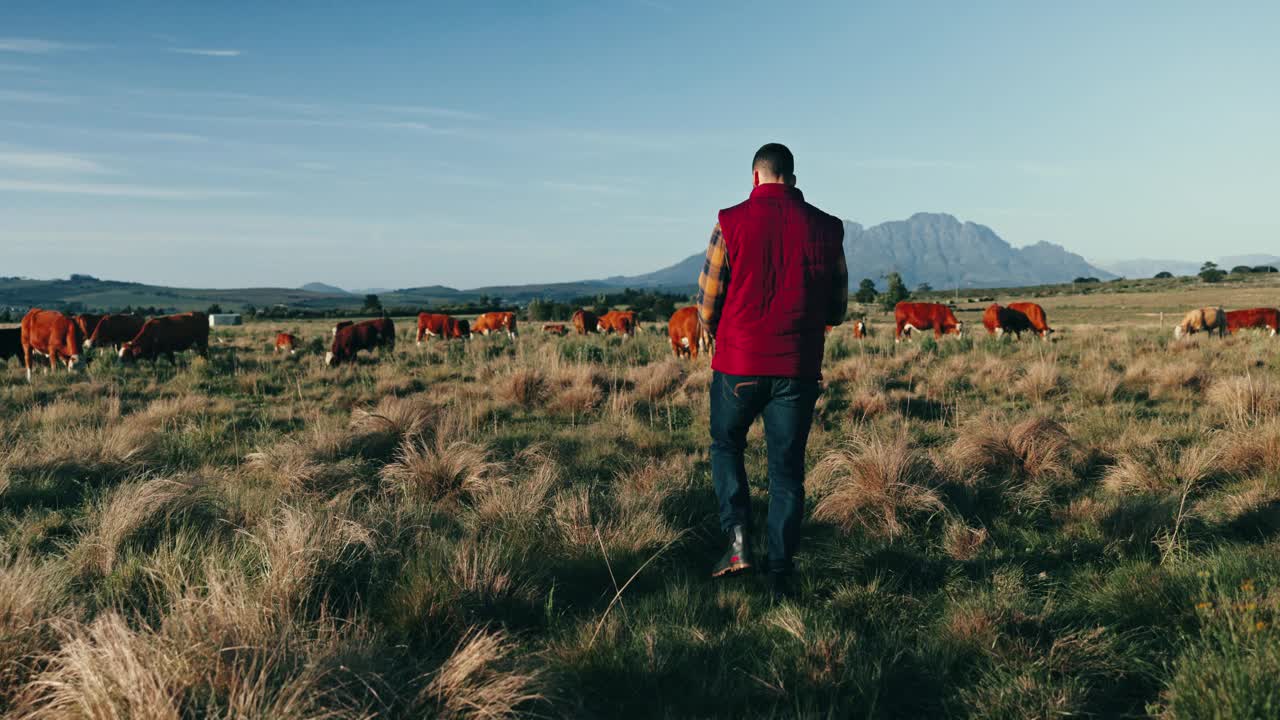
[(329, 359), (73, 362), (959, 328), (129, 352), (1178, 332)]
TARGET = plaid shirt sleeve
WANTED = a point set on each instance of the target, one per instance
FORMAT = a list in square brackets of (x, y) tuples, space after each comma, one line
[(840, 293), (713, 282)]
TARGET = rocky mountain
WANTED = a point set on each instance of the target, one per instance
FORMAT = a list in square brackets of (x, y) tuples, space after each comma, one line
[(933, 248)]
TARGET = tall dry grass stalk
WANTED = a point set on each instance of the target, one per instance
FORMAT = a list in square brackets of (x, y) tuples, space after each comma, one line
[(429, 471), (136, 508), (1159, 469)]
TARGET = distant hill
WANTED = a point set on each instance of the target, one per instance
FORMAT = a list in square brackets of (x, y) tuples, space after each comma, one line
[(1229, 261), (1149, 267), (933, 248), (320, 287)]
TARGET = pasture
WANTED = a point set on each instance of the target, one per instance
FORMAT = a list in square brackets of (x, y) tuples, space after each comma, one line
[(995, 529)]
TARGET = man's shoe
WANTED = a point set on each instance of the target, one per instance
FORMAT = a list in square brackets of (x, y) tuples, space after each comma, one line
[(735, 559)]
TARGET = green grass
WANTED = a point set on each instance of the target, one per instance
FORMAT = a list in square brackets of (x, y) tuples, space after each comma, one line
[(1088, 528)]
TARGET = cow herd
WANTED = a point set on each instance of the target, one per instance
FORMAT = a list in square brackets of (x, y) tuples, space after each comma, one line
[(63, 339)]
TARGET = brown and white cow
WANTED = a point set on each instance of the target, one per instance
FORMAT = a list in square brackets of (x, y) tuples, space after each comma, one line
[(494, 322), (1000, 321), (555, 329), (114, 330), (1035, 314), (50, 333), (687, 334), (10, 343), (1211, 320), (442, 326), (585, 322), (286, 342), (859, 329), (909, 317), (365, 335), (622, 322), (168, 335), (1260, 318), (87, 322)]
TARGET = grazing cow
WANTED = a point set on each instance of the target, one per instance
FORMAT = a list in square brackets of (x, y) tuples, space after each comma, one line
[(1035, 314), (998, 320), (585, 322), (365, 335), (495, 321), (87, 322), (859, 329), (617, 321), (168, 335), (1210, 320), (10, 344), (555, 329), (1261, 318), (50, 333), (341, 324), (286, 342), (114, 330), (687, 334), (909, 317), (442, 326)]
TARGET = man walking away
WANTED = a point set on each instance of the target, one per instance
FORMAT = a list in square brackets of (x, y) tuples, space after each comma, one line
[(774, 278)]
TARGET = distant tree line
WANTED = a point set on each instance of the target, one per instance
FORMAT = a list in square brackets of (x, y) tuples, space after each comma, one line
[(649, 305)]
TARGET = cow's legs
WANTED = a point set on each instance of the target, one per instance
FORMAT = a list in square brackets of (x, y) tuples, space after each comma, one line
[(26, 359)]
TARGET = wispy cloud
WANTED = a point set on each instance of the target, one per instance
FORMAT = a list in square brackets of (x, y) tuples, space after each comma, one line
[(114, 190), (38, 46), (207, 52), (28, 96), (142, 135), (50, 162)]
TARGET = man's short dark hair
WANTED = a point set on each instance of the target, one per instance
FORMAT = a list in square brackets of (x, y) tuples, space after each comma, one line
[(776, 159)]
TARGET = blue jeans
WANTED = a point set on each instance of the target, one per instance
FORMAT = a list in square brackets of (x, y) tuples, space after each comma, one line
[(786, 405)]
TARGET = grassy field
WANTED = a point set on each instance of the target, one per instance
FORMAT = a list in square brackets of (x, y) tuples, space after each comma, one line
[(1083, 528)]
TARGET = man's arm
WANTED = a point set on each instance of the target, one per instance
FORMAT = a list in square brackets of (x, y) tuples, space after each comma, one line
[(840, 291), (713, 282)]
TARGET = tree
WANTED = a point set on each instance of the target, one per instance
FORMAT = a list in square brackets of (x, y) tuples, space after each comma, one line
[(214, 309), (1164, 275), (924, 287), (371, 304), (250, 309), (895, 291), (1264, 269), (1241, 270), (1211, 273), (866, 291), (1086, 280)]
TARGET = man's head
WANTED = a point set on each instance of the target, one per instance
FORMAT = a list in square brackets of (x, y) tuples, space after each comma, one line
[(773, 163)]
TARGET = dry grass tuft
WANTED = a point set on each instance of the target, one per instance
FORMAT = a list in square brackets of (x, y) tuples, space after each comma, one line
[(526, 387), (107, 671), (133, 509), (875, 485), (654, 382), (1252, 451), (1041, 380), (33, 603), (426, 472), (961, 542), (1035, 453), (1171, 378), (482, 679), (1155, 469), (1245, 401)]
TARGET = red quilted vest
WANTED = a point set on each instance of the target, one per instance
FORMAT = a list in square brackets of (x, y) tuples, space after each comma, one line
[(782, 256)]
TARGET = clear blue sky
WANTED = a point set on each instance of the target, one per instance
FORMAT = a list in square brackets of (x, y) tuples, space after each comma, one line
[(473, 143)]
